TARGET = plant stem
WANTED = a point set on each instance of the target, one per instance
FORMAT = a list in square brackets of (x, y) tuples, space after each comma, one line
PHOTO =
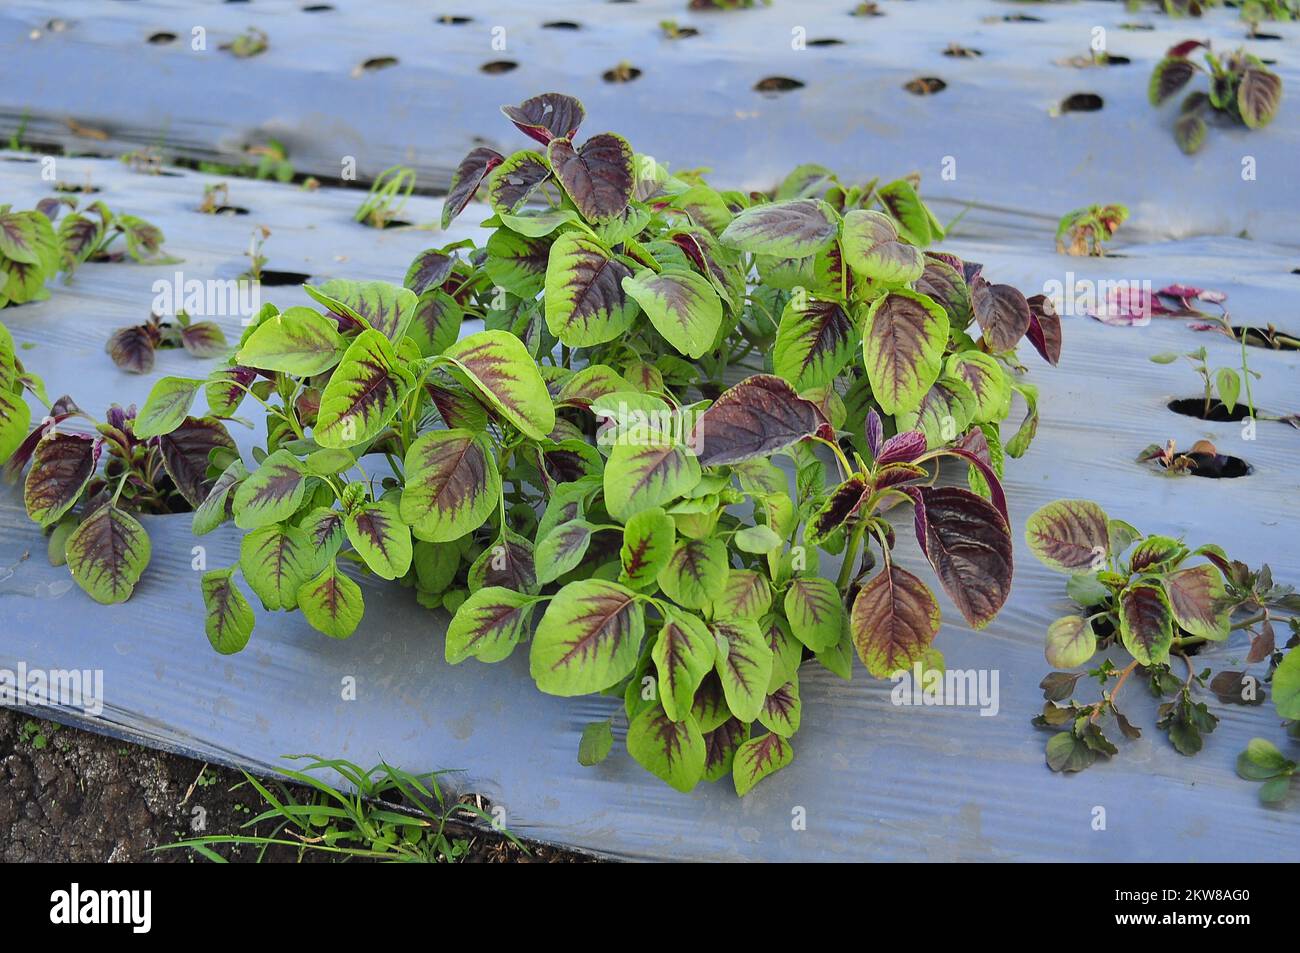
[(850, 556), (1114, 692)]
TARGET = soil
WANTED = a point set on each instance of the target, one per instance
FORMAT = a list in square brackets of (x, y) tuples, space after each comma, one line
[(68, 795)]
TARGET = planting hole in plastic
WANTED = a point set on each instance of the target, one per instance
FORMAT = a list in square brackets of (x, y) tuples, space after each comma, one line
[(450, 19), (1022, 18), (777, 84), (1269, 338), (964, 52), (1081, 103), (925, 86), (317, 8), (270, 278), (826, 41), (561, 25), (623, 73), (1218, 466), (1195, 407), (498, 66), (377, 63), (161, 38)]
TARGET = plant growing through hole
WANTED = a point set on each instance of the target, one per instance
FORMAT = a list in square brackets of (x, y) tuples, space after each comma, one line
[(132, 348), (256, 256), (582, 467), (387, 197), (1223, 381), (1262, 761), (272, 161), (30, 255), (216, 198), (249, 43), (1086, 230), (1241, 90), (89, 478), (1154, 604), (385, 814)]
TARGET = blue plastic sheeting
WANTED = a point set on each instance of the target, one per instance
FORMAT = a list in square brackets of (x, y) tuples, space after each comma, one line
[(871, 780), (994, 136)]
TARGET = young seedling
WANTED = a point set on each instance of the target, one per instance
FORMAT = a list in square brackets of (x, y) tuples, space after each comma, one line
[(1241, 90), (256, 257), (132, 348), (1153, 605), (272, 161), (249, 43), (1085, 230), (89, 478), (1226, 382), (387, 197)]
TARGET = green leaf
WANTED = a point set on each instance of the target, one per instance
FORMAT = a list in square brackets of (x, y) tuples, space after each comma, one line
[(1229, 387), (298, 341), (903, 348), (757, 539), (437, 322), (1258, 96), (1199, 601), (596, 743), (894, 621), (695, 573), (906, 209), (228, 616), (214, 510), (672, 751), (1070, 642), (379, 535), (681, 305), (273, 492), (332, 603), (720, 747), (500, 367), (276, 560), (745, 595), (584, 298), (782, 709), (108, 553), (62, 465), (1262, 760), (15, 421), (166, 407), (488, 625), (1146, 623), (795, 229), (813, 343), (387, 308), (873, 249), (1067, 753), (1069, 536), (648, 539), (759, 758), (452, 485), (1286, 686), (588, 640), (744, 665), (641, 475), (562, 549), (815, 612), (683, 654), (325, 533), (1170, 75), (987, 381), (363, 394)]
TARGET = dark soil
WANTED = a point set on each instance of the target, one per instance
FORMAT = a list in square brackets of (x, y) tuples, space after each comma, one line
[(73, 796)]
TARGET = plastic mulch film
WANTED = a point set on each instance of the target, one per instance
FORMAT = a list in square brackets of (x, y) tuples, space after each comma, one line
[(383, 82), (874, 779)]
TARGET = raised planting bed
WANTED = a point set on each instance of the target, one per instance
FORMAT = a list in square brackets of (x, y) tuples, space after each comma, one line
[(879, 774), (382, 83)]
